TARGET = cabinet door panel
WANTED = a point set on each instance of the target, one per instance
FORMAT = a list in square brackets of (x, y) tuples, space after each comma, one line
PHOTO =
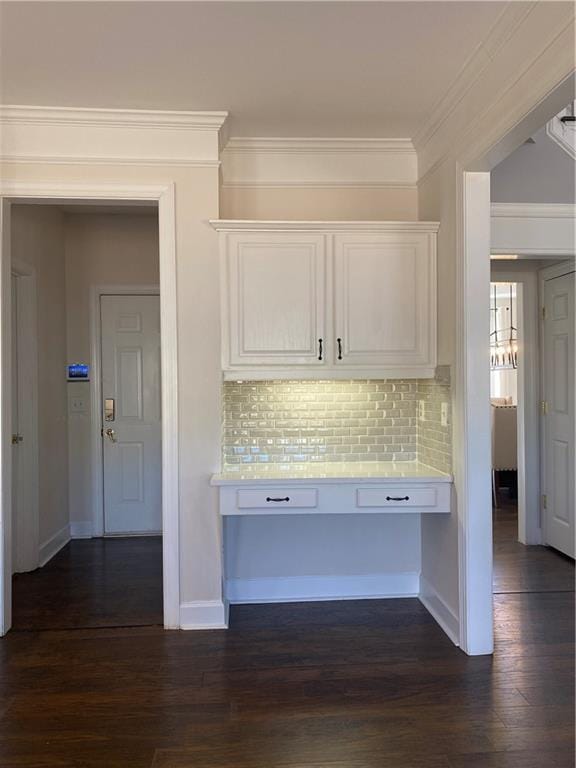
[(277, 298), (383, 310)]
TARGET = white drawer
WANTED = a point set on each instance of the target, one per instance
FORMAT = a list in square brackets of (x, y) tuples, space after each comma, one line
[(276, 498), (397, 497)]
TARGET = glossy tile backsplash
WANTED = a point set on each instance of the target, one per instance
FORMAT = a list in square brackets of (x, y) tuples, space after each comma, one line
[(434, 445), (288, 422)]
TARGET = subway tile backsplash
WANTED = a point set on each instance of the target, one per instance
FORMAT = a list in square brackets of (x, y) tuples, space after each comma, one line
[(434, 445), (289, 422)]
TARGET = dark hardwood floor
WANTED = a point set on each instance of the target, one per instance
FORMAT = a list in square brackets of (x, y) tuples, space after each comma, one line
[(366, 684), (93, 583), (525, 569)]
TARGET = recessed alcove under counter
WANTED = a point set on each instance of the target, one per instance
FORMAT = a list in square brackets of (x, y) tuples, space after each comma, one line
[(325, 486)]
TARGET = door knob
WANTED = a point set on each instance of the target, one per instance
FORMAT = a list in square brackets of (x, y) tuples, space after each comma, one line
[(17, 439), (111, 435)]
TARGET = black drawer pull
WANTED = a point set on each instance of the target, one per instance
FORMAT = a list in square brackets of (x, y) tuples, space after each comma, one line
[(339, 342), (397, 498), (319, 349), (287, 498)]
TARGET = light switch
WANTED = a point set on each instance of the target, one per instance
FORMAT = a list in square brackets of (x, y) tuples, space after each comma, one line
[(78, 404)]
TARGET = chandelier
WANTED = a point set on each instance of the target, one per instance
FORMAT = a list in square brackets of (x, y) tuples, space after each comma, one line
[(504, 336)]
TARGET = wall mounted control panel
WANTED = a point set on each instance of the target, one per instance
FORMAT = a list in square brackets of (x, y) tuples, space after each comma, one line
[(78, 372)]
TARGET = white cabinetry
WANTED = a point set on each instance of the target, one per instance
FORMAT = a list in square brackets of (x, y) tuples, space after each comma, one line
[(385, 291), (337, 497), (274, 296), (328, 300)]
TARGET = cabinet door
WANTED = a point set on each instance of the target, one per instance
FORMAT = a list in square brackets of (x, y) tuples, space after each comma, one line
[(276, 299), (385, 302)]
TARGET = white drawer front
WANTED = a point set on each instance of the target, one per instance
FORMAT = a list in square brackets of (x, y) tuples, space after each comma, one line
[(396, 497), (276, 498)]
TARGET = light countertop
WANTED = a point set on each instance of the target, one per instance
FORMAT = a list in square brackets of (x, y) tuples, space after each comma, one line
[(329, 472)]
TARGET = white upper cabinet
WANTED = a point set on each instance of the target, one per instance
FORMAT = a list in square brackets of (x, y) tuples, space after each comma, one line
[(385, 292), (275, 299), (334, 300)]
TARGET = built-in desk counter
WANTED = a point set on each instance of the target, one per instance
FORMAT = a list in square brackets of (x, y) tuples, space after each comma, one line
[(333, 488)]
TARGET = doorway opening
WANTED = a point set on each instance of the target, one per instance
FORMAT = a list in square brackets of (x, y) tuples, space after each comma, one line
[(87, 521), (504, 335), (532, 369)]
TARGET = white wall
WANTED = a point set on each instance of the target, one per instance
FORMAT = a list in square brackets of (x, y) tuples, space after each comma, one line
[(101, 249), (321, 556), (504, 383), (38, 240), (437, 193), (535, 173), (293, 203)]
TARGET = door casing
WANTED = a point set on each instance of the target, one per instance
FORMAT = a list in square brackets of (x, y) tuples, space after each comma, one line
[(87, 193)]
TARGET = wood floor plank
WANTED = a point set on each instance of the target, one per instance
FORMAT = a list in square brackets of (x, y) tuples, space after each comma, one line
[(181, 758), (97, 683)]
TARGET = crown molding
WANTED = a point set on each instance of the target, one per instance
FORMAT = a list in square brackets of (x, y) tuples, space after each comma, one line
[(508, 21), (246, 225), (115, 118), (519, 76), (534, 210), (64, 136), (319, 163), (264, 145)]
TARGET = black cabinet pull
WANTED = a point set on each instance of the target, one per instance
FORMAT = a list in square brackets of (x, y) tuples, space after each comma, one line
[(397, 498), (319, 349), (339, 342), (287, 498)]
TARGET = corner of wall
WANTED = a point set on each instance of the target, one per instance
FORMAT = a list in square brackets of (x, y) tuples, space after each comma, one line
[(434, 424)]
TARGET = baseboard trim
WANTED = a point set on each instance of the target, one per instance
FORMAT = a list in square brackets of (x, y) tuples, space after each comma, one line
[(81, 530), (311, 588), (440, 611), (204, 614), (53, 545)]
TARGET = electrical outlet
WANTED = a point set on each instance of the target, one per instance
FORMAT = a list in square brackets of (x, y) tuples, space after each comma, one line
[(420, 410), (444, 414)]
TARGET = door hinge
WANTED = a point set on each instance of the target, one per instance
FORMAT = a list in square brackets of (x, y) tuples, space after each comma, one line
[(544, 501), (544, 407), (543, 313)]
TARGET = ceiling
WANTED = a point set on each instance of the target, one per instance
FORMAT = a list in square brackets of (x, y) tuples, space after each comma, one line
[(326, 69)]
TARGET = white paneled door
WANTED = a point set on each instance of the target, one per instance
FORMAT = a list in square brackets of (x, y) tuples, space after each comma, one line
[(131, 414), (559, 531)]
